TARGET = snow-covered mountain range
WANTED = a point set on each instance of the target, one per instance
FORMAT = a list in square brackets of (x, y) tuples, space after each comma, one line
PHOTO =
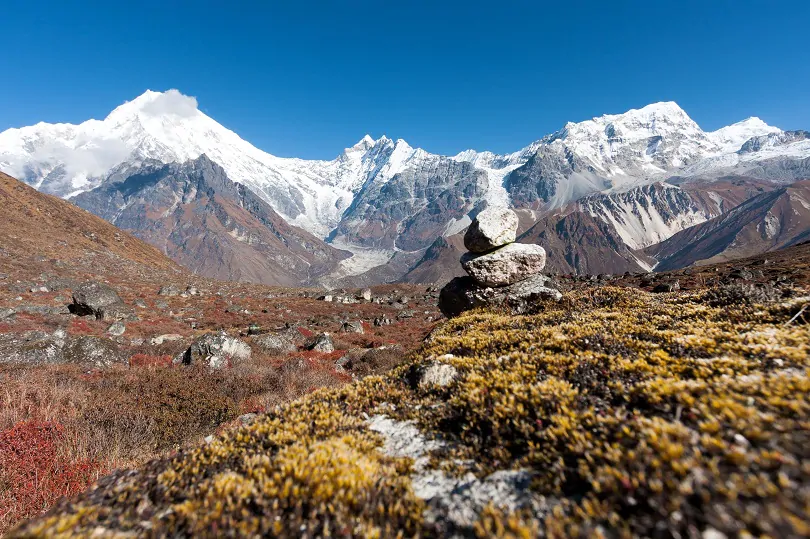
[(380, 197)]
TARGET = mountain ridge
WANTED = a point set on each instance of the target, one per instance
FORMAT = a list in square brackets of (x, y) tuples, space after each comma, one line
[(381, 197)]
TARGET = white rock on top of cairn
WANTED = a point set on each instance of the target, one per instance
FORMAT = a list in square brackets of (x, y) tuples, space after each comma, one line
[(506, 265), (492, 228)]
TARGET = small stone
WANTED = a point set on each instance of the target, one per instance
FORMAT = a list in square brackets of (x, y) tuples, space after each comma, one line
[(438, 375), (168, 337), (116, 329), (506, 265), (491, 228), (247, 419)]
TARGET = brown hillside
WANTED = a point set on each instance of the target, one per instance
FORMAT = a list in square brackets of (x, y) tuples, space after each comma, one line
[(36, 226)]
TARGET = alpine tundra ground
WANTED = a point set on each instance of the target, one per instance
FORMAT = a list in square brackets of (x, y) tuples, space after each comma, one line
[(615, 412)]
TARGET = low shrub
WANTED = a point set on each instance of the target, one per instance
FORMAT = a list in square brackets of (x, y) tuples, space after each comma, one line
[(35, 470)]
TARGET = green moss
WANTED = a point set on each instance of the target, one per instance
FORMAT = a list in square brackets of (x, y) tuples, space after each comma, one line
[(639, 415)]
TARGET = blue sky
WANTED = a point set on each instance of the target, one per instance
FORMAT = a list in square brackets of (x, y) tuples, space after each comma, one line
[(310, 79)]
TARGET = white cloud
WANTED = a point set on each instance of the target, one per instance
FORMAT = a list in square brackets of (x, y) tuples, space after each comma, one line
[(171, 102)]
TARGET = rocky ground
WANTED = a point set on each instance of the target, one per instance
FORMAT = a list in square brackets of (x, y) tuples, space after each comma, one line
[(630, 407), (111, 354)]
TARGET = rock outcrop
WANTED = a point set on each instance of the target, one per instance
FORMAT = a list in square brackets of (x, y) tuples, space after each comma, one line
[(215, 351), (508, 274), (99, 300)]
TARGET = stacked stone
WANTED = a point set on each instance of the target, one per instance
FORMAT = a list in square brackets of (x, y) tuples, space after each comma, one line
[(500, 270)]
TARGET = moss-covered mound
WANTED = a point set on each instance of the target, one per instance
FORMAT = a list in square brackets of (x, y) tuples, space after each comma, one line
[(628, 414)]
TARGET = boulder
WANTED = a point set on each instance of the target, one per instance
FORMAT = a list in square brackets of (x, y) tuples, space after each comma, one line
[(354, 326), (492, 228), (463, 293), (169, 290), (99, 300), (366, 294), (93, 351), (321, 343), (275, 344), (506, 265), (215, 350), (35, 347)]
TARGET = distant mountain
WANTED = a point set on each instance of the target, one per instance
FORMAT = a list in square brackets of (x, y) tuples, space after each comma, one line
[(647, 173), (767, 222), (207, 223)]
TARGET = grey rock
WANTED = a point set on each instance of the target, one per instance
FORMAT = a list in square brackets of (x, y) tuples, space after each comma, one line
[(35, 347), (167, 337), (353, 326), (214, 350), (492, 228), (366, 294), (116, 329), (382, 321), (275, 343), (99, 300), (438, 375), (668, 286), (321, 343), (169, 290), (95, 351), (463, 293), (247, 419), (506, 265), (6, 314)]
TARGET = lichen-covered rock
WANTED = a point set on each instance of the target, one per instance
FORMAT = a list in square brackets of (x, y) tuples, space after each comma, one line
[(506, 265), (274, 343), (99, 300), (492, 228), (215, 351), (463, 293), (33, 347), (321, 343), (93, 351)]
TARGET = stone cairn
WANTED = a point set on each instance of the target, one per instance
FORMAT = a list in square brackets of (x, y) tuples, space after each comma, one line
[(501, 272)]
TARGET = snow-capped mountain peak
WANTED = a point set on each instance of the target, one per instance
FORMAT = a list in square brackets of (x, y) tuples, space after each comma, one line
[(732, 137)]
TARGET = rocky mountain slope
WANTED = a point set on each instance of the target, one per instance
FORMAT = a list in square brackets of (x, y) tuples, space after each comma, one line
[(767, 222), (383, 197), (207, 223)]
